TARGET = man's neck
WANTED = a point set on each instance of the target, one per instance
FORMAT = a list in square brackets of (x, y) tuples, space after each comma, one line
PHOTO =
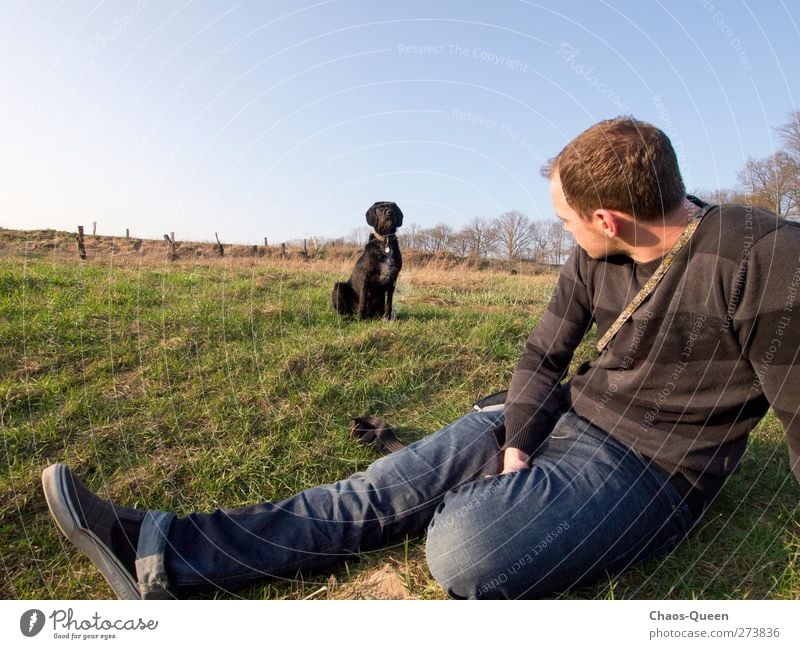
[(655, 239)]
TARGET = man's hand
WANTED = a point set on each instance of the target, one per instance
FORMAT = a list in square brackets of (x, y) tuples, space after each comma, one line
[(515, 460)]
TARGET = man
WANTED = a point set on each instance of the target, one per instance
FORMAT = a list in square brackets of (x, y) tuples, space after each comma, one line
[(584, 478)]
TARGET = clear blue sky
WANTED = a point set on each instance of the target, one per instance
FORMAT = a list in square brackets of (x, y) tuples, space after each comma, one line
[(288, 119)]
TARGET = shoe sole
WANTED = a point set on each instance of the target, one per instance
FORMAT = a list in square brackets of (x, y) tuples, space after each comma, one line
[(63, 511)]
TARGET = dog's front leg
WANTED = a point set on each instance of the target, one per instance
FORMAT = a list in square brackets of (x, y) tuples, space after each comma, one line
[(387, 310), (363, 300)]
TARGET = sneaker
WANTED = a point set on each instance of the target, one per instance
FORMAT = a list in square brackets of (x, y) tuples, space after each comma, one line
[(104, 532)]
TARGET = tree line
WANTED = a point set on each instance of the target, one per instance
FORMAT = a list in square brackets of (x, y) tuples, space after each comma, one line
[(512, 236), (772, 182)]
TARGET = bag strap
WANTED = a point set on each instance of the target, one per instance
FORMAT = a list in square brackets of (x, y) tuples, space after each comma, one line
[(659, 273)]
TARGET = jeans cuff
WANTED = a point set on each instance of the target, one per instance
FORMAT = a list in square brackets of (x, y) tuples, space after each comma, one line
[(150, 571)]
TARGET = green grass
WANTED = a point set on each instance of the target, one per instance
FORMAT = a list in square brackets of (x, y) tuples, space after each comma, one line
[(192, 387)]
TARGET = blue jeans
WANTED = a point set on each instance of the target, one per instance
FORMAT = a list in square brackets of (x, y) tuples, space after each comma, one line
[(587, 506)]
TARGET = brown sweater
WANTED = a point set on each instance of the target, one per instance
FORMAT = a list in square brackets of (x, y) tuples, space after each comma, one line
[(696, 367)]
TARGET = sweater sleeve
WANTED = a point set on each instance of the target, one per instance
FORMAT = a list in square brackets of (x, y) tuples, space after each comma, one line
[(767, 320), (535, 392)]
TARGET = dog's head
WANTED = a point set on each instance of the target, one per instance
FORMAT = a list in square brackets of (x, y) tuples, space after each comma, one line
[(385, 217)]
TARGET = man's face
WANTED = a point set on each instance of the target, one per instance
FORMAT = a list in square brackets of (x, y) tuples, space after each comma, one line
[(589, 233)]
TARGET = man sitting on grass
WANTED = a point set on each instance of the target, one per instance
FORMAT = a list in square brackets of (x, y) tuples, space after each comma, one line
[(584, 478)]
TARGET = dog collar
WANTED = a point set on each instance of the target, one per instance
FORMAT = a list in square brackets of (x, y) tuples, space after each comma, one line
[(383, 238)]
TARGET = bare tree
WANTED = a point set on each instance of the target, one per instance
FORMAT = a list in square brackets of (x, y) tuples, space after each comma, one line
[(459, 243), (358, 236), (422, 240), (790, 134), (540, 241), (408, 237), (514, 235), (417, 238), (435, 239), (559, 242), (772, 183), (481, 236)]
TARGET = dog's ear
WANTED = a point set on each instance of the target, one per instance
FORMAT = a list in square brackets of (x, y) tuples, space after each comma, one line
[(398, 216), (372, 217)]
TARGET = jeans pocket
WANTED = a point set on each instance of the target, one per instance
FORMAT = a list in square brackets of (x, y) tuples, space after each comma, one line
[(567, 425), (499, 435)]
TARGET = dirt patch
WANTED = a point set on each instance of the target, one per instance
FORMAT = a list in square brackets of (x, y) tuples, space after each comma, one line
[(434, 300), (382, 582)]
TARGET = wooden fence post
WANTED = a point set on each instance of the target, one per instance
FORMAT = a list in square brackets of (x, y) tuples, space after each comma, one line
[(283, 250), (220, 249), (94, 228), (81, 248), (127, 233), (171, 243)]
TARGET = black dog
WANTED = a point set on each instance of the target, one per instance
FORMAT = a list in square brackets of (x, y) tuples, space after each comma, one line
[(369, 291)]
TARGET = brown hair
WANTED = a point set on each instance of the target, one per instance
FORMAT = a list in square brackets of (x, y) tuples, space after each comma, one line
[(620, 164)]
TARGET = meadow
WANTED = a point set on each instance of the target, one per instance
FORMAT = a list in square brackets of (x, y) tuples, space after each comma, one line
[(208, 383)]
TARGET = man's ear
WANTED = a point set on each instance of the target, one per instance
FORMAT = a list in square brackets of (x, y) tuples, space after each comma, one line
[(608, 222), (372, 217)]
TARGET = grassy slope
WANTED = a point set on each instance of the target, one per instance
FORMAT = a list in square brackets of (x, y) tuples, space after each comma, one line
[(195, 386)]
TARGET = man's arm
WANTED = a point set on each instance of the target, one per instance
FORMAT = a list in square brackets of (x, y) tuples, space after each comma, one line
[(768, 323), (535, 392)]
